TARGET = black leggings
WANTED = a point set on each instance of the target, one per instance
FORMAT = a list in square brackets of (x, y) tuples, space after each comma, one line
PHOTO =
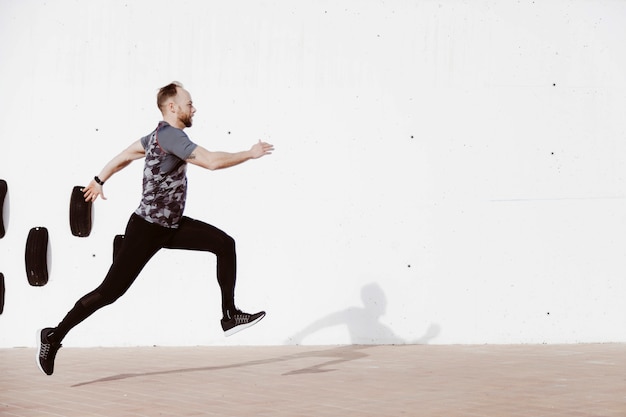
[(142, 240)]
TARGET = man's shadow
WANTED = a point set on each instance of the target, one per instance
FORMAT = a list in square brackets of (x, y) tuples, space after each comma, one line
[(363, 323), (333, 356), (364, 326)]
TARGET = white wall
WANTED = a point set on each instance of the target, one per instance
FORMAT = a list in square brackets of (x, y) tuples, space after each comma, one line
[(445, 171)]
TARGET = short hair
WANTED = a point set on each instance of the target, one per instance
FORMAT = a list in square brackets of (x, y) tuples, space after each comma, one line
[(167, 92)]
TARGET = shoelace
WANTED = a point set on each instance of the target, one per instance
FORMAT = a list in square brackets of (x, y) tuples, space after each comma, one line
[(45, 350), (241, 318)]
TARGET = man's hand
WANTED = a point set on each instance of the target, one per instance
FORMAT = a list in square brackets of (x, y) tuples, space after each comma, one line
[(260, 149), (92, 191)]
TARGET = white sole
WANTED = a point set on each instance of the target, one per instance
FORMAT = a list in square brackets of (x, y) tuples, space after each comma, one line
[(241, 327)]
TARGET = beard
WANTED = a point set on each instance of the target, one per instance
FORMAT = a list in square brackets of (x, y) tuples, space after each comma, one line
[(186, 119)]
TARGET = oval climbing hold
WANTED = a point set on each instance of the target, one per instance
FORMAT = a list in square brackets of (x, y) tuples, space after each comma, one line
[(1, 292), (3, 194), (37, 256), (80, 213)]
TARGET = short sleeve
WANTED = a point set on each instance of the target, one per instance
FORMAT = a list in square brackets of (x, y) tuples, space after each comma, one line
[(144, 141), (175, 141)]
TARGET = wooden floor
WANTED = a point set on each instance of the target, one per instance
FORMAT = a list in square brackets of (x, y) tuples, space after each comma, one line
[(319, 381)]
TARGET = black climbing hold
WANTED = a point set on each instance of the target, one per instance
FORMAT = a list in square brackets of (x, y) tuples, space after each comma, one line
[(1, 292), (117, 244), (37, 256), (3, 194), (80, 213)]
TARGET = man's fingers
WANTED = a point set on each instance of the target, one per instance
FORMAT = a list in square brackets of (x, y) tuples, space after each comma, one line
[(262, 148)]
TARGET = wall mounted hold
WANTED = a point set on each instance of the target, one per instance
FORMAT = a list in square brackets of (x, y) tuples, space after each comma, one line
[(1, 292), (117, 244), (37, 256), (3, 194), (80, 213)]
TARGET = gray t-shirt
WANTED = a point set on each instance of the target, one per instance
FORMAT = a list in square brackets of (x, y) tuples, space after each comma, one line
[(165, 175)]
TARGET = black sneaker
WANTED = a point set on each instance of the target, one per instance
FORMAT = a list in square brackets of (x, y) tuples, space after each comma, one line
[(47, 352), (238, 320)]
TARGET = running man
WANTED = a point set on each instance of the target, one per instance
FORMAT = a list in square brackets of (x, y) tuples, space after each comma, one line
[(158, 222)]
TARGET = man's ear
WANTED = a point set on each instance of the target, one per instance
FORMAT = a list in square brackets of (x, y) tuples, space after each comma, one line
[(171, 107)]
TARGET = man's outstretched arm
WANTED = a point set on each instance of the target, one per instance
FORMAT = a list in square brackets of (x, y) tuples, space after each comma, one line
[(122, 160), (219, 160)]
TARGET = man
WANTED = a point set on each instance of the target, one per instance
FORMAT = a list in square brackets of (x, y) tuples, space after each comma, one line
[(158, 222)]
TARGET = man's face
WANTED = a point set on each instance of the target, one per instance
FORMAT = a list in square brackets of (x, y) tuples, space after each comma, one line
[(184, 107)]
